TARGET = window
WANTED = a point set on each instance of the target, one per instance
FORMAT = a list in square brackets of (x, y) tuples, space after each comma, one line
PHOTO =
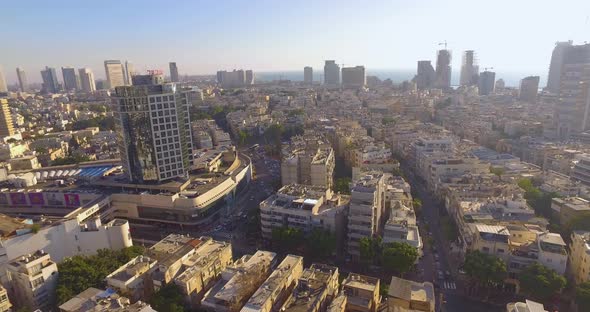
[(500, 250), (485, 249)]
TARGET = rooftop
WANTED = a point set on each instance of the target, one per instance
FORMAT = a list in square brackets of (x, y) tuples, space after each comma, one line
[(411, 291)]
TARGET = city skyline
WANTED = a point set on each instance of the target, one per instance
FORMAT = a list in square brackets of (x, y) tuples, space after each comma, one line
[(351, 35)]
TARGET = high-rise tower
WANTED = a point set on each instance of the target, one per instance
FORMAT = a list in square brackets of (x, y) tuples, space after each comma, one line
[(50, 83), (173, 72), (114, 73), (469, 69), (22, 79), (308, 75), (443, 69), (87, 82), (331, 73), (71, 80), (554, 77)]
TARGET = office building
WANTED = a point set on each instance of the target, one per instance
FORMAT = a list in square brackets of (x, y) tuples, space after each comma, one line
[(572, 113), (154, 77), (129, 73), (307, 75), (366, 208), (249, 77), (354, 77), (22, 79), (3, 86), (425, 76), (406, 295), (331, 73), (87, 82), (155, 139), (6, 123), (5, 304), (487, 83), (232, 79), (469, 69), (50, 83), (33, 279), (529, 88), (555, 68), (173, 72), (71, 80), (114, 73), (443, 69)]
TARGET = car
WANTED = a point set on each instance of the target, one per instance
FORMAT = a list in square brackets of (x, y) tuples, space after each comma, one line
[(218, 228), (447, 273), (436, 257), (440, 275)]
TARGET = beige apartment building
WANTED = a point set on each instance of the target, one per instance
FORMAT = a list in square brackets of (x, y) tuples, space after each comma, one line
[(278, 286), (132, 280), (316, 288), (406, 295), (567, 209), (33, 280), (5, 304), (361, 292), (579, 256), (6, 124), (309, 166)]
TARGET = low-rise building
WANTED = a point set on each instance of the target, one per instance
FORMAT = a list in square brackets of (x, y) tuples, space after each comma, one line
[(132, 280), (527, 306), (98, 300), (579, 256), (567, 209), (5, 304), (33, 281), (492, 240), (361, 292), (316, 288), (277, 288), (406, 295)]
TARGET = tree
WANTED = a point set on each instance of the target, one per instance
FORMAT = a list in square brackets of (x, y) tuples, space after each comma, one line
[(370, 250), (583, 296), (497, 171), (323, 244), (417, 203), (484, 269), (541, 282), (399, 257), (286, 238), (540, 201), (168, 298), (342, 186), (78, 273)]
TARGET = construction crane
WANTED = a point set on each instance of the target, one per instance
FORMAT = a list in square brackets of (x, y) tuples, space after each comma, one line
[(443, 43), (486, 68)]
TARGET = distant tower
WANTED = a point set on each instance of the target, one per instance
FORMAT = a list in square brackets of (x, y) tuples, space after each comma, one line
[(6, 124), (487, 82), (529, 88), (443, 69), (114, 73), (3, 87), (469, 69), (500, 84), (173, 72), (50, 83), (425, 75), (249, 77), (331, 73), (87, 80), (554, 77), (71, 80), (354, 77), (129, 73), (22, 79), (307, 75)]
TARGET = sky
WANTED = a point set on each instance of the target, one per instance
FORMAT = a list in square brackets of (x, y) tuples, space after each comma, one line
[(512, 36)]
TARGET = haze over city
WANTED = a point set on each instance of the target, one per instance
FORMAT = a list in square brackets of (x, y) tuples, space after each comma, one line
[(511, 36)]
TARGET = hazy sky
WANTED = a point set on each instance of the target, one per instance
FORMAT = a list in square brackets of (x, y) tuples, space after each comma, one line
[(204, 36)]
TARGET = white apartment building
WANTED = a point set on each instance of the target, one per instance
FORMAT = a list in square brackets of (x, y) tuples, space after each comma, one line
[(33, 279), (579, 256)]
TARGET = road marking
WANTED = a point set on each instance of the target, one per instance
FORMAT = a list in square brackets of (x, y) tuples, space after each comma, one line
[(450, 285)]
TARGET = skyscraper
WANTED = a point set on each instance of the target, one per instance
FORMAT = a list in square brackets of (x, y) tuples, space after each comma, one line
[(232, 79), (71, 80), (6, 125), (425, 75), (469, 69), (173, 72), (308, 75), (87, 82), (443, 69), (331, 73), (50, 83), (554, 77), (129, 73), (354, 77), (249, 77), (529, 87), (154, 134), (22, 79), (572, 114), (3, 87), (487, 82), (114, 73)]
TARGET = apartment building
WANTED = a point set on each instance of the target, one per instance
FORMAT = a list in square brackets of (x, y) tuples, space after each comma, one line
[(361, 292), (401, 227), (527, 306), (239, 282), (5, 304), (579, 257), (304, 207), (309, 166), (581, 170), (132, 280), (493, 240), (95, 300), (33, 281), (277, 288), (406, 295), (366, 209), (316, 288), (569, 208)]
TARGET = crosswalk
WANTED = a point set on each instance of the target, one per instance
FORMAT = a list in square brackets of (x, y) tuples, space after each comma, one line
[(449, 285)]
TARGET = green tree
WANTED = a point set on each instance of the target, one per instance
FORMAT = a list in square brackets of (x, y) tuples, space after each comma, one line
[(286, 238), (78, 273), (242, 137), (497, 171), (342, 186), (541, 282), (323, 244), (168, 298), (583, 296), (370, 250), (540, 201), (399, 257), (484, 269), (417, 203)]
